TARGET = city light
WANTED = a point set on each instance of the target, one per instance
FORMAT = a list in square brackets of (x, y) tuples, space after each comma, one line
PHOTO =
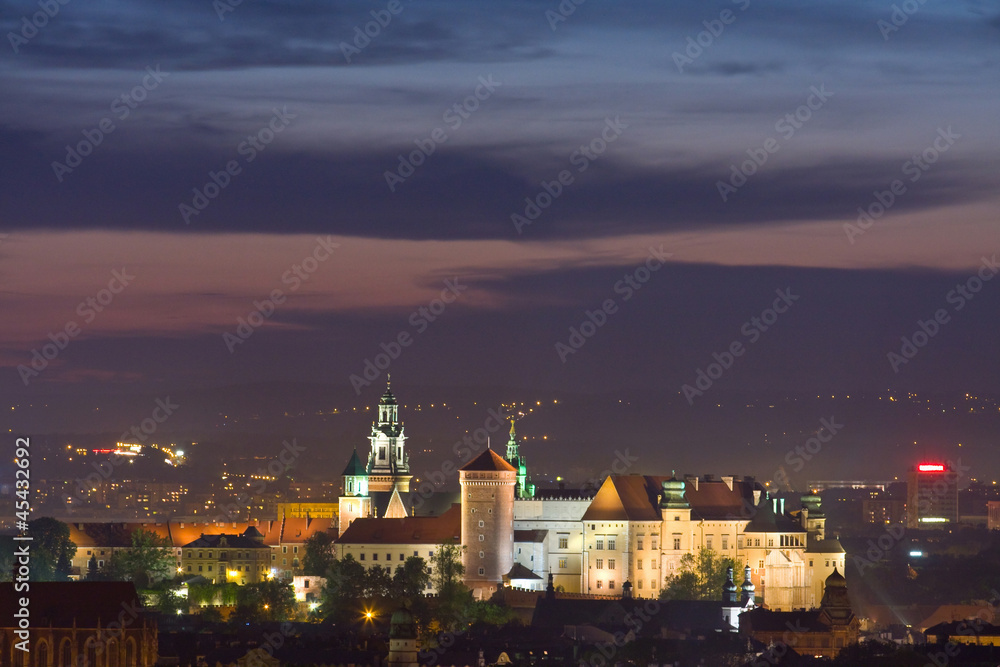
[(930, 467)]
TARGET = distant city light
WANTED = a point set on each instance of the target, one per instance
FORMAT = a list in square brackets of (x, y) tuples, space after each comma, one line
[(916, 554), (930, 467)]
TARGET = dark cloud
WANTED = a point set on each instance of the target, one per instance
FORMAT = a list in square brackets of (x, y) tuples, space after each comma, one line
[(456, 193)]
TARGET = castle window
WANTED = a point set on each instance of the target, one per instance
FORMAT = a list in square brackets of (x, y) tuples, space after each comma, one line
[(600, 542), (611, 563), (362, 555), (652, 583), (770, 542), (611, 543), (473, 510), (756, 541), (564, 542), (638, 543), (482, 554), (725, 542), (640, 584), (611, 583), (482, 571), (563, 563), (600, 564), (708, 542), (374, 556), (810, 563), (599, 584), (638, 564), (482, 523), (677, 544), (402, 557), (482, 538), (653, 546)]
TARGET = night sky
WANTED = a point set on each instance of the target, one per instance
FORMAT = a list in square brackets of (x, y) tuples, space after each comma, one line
[(204, 154)]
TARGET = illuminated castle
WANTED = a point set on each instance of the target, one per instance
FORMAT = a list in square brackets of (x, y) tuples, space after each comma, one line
[(633, 530)]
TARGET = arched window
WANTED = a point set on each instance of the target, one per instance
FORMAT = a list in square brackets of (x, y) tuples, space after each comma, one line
[(65, 652), (41, 654), (93, 654), (112, 659), (130, 660)]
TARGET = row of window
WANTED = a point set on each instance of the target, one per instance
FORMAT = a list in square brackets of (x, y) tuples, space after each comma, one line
[(402, 557), (113, 654), (600, 564)]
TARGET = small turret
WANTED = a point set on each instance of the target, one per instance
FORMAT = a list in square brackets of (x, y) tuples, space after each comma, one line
[(730, 595), (748, 588)]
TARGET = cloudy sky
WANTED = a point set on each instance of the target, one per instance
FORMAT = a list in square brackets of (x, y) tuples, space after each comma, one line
[(205, 150)]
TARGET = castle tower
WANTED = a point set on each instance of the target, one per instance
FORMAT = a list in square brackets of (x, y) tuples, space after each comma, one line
[(402, 640), (487, 484), (354, 501), (523, 489), (388, 464)]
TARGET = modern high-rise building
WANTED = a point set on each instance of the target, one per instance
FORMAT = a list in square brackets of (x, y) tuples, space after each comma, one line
[(931, 496)]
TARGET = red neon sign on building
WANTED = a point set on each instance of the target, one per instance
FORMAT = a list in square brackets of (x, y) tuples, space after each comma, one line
[(930, 467)]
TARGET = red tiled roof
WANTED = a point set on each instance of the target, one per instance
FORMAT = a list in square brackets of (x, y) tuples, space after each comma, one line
[(634, 498), (489, 461), (298, 530), (625, 498), (411, 530)]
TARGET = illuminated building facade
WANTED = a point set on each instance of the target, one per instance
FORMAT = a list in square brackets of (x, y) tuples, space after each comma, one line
[(931, 496)]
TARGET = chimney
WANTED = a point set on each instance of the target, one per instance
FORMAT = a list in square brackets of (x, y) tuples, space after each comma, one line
[(728, 480)]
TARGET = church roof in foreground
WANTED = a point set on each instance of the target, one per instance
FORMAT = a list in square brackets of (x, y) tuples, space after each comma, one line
[(87, 604), (488, 461)]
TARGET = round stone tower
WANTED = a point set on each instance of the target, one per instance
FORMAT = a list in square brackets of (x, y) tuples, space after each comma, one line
[(487, 521)]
